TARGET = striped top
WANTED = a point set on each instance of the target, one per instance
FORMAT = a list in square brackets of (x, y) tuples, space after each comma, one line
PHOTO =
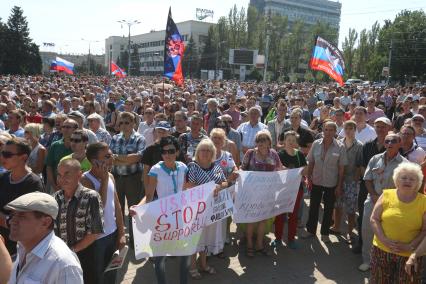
[(198, 175)]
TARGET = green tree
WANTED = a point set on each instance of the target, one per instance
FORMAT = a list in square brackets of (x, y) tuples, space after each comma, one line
[(135, 62), (190, 59), (349, 50), (208, 55), (21, 55), (95, 68)]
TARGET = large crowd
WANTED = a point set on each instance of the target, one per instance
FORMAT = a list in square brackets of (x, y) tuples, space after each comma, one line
[(75, 151)]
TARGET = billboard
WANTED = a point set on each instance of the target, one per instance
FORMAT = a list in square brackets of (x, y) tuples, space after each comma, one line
[(242, 56)]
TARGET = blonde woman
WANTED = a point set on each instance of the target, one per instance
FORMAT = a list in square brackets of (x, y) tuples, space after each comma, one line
[(32, 132), (201, 171), (399, 225)]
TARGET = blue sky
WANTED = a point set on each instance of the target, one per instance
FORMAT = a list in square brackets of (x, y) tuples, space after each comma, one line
[(65, 23)]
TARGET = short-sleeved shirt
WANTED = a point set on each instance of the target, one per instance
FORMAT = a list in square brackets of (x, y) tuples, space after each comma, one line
[(185, 140), (199, 175), (400, 221), (354, 157), (326, 165), (85, 165), (366, 134), (292, 162), (416, 154), (169, 181), (9, 191), (122, 146), (248, 133), (270, 164), (226, 162), (381, 173), (79, 216), (56, 152)]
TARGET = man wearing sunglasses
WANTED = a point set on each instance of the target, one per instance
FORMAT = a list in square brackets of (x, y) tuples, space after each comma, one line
[(378, 176), (128, 147), (78, 146), (58, 150), (18, 180)]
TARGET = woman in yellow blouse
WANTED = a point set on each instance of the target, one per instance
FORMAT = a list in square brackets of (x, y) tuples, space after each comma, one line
[(399, 225)]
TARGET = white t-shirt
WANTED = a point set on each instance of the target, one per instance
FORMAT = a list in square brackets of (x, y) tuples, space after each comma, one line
[(416, 154), (366, 134), (168, 182)]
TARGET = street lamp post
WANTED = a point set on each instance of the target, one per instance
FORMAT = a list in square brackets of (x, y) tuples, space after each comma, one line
[(88, 57), (129, 24), (217, 58)]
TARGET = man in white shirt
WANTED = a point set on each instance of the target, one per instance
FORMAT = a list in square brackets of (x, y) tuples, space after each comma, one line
[(249, 129), (42, 257), (364, 132), (148, 122)]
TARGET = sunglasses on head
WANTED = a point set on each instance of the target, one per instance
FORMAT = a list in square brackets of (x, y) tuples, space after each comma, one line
[(124, 122), (7, 154), (391, 141), (168, 151), (418, 120)]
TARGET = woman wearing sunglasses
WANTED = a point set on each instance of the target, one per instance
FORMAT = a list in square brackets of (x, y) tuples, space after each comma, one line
[(166, 178)]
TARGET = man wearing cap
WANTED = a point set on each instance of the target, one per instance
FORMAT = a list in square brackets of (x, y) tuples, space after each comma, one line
[(42, 257), (16, 181), (417, 122), (80, 216), (79, 117), (128, 147)]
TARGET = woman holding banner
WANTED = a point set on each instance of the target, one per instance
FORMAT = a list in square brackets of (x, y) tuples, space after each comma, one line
[(202, 171), (166, 178), (291, 158), (261, 158), (226, 161)]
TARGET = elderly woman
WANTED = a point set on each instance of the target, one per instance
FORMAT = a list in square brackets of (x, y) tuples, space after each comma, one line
[(212, 114), (167, 177), (318, 122), (230, 145), (399, 225), (38, 152), (226, 161), (202, 171), (261, 158), (97, 125)]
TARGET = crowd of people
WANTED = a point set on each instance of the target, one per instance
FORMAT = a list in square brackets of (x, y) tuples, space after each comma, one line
[(75, 151)]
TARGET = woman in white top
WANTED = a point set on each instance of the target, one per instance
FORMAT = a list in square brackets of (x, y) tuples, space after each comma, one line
[(166, 178), (38, 152)]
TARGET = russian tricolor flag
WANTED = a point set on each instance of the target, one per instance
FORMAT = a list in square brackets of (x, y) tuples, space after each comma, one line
[(62, 65)]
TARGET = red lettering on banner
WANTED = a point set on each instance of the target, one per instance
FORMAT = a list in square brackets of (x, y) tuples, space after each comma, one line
[(176, 216), (201, 208), (173, 203), (185, 214), (162, 227)]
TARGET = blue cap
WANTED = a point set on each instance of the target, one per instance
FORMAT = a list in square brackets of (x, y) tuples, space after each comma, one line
[(163, 125)]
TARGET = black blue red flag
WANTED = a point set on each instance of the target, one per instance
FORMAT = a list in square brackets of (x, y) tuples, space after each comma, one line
[(174, 48), (328, 58)]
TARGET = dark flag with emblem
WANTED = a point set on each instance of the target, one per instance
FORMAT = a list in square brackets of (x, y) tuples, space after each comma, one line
[(327, 58), (174, 48)]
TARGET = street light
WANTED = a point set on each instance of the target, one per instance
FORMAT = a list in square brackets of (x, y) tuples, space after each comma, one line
[(217, 58), (129, 24), (88, 57)]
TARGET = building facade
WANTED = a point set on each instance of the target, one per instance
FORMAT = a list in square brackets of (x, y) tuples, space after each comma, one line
[(147, 50), (47, 58), (308, 11)]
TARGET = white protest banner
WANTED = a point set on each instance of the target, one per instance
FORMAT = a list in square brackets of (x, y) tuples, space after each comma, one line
[(263, 195), (172, 226), (222, 207)]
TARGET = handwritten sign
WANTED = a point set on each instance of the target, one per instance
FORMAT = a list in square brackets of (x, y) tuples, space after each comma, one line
[(263, 195), (222, 207), (172, 226)]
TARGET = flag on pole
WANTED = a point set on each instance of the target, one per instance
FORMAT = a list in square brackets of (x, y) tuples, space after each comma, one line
[(62, 65), (174, 48), (327, 58), (117, 71)]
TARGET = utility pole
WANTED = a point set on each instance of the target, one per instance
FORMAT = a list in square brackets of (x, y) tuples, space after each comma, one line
[(88, 56), (268, 27), (390, 60), (129, 24)]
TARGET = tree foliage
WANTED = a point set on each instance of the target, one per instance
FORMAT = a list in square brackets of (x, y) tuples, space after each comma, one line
[(18, 54)]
